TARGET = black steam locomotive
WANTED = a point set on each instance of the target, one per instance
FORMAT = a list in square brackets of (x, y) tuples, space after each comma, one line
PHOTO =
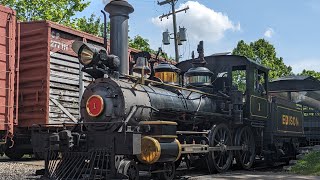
[(206, 111)]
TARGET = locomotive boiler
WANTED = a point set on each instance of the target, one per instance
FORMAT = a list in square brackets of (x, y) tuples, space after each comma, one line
[(206, 111)]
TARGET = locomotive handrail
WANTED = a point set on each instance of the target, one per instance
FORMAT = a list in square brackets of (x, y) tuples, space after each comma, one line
[(71, 124), (192, 132), (132, 112), (174, 86)]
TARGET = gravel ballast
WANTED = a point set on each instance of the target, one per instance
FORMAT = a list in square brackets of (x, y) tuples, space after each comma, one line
[(17, 171)]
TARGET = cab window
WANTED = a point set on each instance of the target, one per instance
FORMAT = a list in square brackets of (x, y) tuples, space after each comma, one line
[(239, 80), (260, 82)]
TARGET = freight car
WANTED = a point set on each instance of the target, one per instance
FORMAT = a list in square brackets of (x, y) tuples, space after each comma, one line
[(8, 75), (41, 82), (220, 110)]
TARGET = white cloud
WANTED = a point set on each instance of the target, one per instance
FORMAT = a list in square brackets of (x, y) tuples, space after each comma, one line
[(269, 33), (308, 64), (202, 23)]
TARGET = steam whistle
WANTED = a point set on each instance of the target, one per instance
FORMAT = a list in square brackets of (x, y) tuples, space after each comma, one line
[(200, 61)]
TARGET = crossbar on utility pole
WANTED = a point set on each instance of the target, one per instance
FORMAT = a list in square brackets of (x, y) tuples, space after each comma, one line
[(167, 15), (165, 2), (174, 18)]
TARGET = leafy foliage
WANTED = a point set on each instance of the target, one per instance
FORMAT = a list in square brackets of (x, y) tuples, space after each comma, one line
[(92, 25), (60, 11), (309, 165), (142, 44), (263, 52), (311, 73), (239, 79)]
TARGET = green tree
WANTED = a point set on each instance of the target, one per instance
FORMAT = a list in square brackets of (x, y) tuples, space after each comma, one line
[(142, 44), (310, 73), (263, 52), (60, 11), (92, 25)]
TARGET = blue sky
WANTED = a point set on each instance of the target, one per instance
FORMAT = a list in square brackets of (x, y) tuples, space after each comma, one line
[(291, 26)]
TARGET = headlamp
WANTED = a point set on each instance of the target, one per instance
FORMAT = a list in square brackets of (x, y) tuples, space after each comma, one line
[(85, 55), (89, 54), (95, 59)]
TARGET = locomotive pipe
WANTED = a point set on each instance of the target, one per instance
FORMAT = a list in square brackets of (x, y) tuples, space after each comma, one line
[(119, 14), (178, 87), (105, 38)]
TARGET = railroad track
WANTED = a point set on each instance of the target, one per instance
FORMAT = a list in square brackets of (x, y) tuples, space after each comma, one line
[(183, 173)]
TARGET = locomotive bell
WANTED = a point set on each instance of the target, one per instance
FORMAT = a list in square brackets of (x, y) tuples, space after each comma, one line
[(141, 65)]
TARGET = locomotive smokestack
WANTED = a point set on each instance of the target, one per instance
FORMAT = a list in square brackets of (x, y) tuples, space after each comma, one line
[(119, 11)]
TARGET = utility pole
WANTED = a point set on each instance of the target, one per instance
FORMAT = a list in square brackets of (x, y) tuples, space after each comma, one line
[(174, 18)]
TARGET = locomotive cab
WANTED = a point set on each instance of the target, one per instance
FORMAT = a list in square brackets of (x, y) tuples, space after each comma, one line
[(242, 80), (251, 80)]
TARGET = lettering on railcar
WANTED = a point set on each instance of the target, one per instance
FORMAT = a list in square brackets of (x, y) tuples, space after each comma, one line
[(57, 42), (288, 120)]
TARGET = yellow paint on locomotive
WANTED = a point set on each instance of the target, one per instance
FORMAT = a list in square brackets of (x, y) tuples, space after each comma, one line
[(290, 120), (150, 150)]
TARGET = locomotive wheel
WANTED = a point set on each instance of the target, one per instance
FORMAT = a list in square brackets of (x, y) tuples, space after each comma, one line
[(245, 158), (39, 155), (220, 136), (129, 169), (132, 172), (290, 150), (13, 154), (169, 172), (178, 162)]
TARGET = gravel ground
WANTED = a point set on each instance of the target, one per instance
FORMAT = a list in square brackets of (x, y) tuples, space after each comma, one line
[(18, 171), (250, 175), (26, 170)]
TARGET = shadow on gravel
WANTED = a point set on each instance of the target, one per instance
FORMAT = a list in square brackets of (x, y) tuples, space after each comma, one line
[(23, 159)]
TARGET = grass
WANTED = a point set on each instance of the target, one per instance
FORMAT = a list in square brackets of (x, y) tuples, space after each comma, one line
[(309, 165)]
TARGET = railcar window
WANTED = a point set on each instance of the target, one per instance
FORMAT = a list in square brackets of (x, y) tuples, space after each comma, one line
[(168, 77)]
